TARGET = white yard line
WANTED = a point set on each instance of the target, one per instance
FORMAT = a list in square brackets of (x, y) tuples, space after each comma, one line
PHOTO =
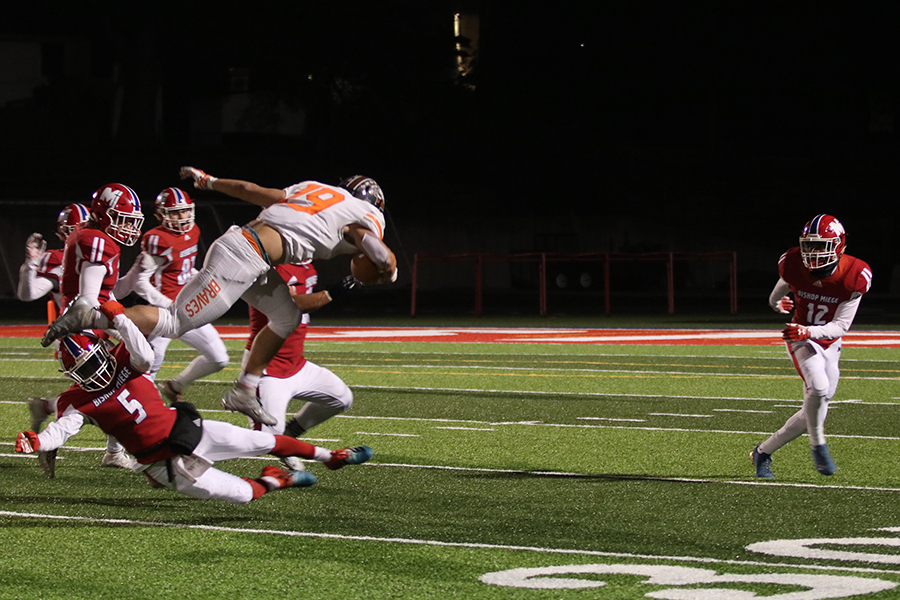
[(438, 543)]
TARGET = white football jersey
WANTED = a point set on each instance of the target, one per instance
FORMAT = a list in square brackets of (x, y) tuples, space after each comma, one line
[(312, 217)]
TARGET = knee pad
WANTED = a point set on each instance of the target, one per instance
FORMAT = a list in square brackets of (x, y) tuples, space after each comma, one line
[(284, 322)]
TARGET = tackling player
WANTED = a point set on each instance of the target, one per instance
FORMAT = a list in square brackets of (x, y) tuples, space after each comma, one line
[(306, 221), (165, 265), (827, 286), (175, 447)]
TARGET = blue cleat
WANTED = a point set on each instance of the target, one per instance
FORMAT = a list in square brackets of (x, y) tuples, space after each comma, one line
[(349, 456), (822, 459), (286, 479), (763, 463)]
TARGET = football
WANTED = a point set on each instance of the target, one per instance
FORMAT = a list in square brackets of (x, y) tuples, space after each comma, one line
[(365, 271)]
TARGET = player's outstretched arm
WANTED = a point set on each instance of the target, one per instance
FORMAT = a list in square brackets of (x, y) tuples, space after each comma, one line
[(236, 188)]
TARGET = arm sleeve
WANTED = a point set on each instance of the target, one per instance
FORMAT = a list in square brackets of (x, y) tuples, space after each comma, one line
[(125, 285), (137, 345), (837, 327), (780, 290), (147, 265), (92, 276), (31, 285), (57, 432)]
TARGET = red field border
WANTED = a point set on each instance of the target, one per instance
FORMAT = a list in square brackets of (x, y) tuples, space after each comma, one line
[(504, 335)]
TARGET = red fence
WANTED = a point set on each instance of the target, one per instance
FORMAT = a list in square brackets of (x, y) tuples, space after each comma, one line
[(543, 258)]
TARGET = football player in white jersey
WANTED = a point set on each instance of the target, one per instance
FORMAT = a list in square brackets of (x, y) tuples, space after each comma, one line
[(306, 221)]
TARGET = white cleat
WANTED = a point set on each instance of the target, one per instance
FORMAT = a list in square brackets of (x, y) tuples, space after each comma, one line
[(117, 460), (243, 399), (293, 463)]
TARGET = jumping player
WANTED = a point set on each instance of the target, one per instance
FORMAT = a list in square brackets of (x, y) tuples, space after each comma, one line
[(306, 221), (827, 286)]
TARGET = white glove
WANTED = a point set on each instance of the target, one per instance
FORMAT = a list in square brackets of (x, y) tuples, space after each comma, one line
[(202, 181), (35, 246), (784, 306)]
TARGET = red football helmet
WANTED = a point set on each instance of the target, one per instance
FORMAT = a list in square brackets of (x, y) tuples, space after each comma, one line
[(175, 210), (86, 360), (117, 210), (69, 218), (822, 242), (364, 188)]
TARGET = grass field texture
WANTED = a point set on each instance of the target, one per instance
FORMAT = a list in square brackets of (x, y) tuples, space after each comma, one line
[(523, 471)]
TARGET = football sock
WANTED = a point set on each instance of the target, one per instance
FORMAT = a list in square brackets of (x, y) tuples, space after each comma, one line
[(288, 446)]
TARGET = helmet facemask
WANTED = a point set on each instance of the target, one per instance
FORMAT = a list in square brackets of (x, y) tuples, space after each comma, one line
[(819, 254), (86, 361), (178, 219), (822, 244), (124, 227)]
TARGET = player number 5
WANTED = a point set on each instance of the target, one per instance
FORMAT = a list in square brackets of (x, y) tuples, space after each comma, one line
[(133, 406)]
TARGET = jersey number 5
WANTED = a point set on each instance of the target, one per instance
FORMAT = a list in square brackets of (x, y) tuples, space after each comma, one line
[(133, 406)]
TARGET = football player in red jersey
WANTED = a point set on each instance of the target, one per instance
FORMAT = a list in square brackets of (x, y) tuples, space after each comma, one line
[(91, 263), (827, 286), (40, 275), (166, 263), (290, 375), (175, 447)]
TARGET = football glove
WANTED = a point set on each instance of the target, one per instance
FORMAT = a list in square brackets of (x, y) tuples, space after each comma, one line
[(27, 442), (785, 305), (35, 246), (202, 181), (345, 286), (794, 332)]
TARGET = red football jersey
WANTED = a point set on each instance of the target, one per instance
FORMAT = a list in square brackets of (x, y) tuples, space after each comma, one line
[(816, 300), (130, 409), (50, 267), (89, 245), (289, 359), (180, 253)]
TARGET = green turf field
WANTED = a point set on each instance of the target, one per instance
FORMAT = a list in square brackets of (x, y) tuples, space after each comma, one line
[(501, 471)]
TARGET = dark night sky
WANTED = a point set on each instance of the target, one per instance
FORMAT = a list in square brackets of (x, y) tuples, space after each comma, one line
[(690, 115)]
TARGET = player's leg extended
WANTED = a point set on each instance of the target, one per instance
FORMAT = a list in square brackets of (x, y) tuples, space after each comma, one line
[(325, 393), (212, 359), (271, 296), (811, 363), (231, 266)]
